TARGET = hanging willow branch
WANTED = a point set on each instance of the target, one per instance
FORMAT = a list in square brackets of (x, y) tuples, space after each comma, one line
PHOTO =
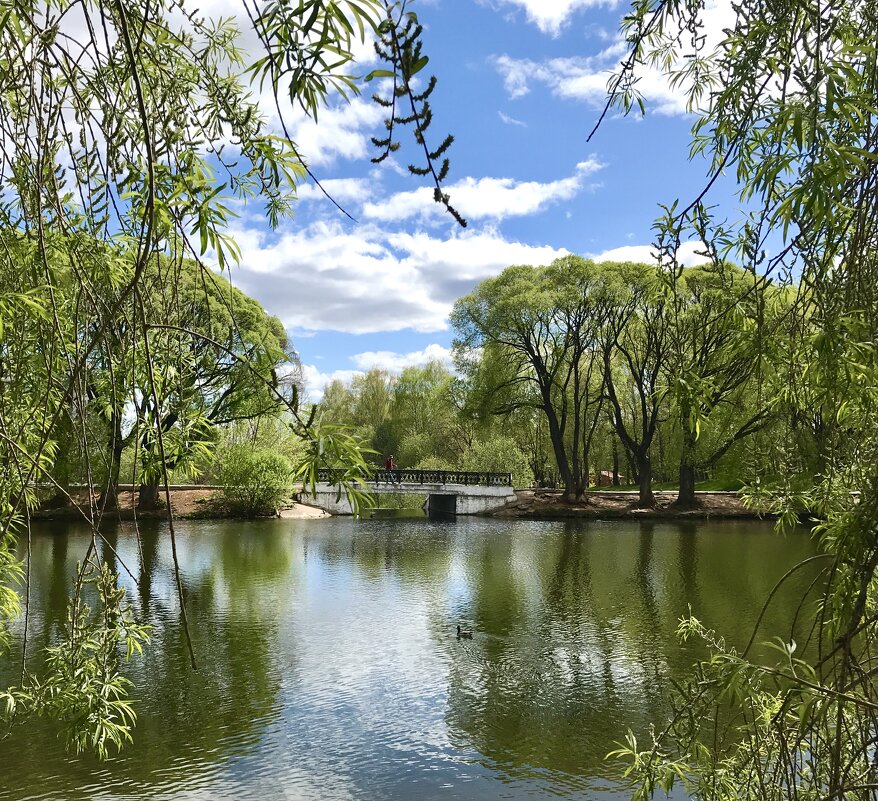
[(400, 46), (786, 103)]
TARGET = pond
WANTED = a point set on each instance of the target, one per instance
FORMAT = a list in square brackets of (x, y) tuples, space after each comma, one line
[(328, 665)]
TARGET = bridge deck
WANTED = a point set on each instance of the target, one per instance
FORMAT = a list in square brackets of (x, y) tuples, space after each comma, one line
[(412, 478)]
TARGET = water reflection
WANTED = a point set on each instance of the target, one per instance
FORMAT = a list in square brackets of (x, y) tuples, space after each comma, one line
[(328, 664)]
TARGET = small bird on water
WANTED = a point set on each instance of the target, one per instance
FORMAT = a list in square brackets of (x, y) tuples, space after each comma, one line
[(463, 635)]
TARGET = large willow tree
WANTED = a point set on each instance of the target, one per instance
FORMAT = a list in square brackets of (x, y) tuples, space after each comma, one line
[(788, 103), (127, 129)]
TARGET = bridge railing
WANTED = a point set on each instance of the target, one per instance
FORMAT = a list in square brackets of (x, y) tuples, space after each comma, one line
[(331, 475)]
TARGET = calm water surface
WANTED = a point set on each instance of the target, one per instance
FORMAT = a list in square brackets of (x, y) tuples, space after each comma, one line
[(328, 665)]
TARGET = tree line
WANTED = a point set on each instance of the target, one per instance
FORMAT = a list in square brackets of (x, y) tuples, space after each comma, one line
[(591, 372), (203, 357)]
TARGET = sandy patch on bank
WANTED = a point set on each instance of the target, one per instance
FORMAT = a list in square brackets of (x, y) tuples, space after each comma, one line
[(301, 511)]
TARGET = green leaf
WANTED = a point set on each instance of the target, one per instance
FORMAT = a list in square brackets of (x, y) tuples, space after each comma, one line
[(381, 73)]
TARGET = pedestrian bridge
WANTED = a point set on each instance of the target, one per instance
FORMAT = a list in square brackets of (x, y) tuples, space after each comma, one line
[(448, 491)]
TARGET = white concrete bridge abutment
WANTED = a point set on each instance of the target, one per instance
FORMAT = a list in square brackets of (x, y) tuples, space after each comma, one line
[(470, 494)]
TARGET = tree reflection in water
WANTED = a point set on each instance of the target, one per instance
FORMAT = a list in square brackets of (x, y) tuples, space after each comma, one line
[(187, 722), (329, 665), (584, 646)]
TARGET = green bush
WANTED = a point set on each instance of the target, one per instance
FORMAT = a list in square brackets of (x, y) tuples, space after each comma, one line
[(500, 454), (255, 480)]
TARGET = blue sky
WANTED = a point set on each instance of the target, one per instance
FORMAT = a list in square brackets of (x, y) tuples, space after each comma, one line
[(521, 83)]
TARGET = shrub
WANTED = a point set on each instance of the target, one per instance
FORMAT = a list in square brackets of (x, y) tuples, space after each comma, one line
[(500, 454), (255, 480)]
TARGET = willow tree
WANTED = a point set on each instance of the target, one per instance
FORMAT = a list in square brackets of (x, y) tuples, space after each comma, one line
[(787, 101), (216, 362), (635, 343), (512, 319), (542, 327), (126, 130), (720, 322)]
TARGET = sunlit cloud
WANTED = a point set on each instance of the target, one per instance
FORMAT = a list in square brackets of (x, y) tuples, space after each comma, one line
[(689, 254), (316, 380), (396, 362), (485, 198), (551, 15), (586, 77)]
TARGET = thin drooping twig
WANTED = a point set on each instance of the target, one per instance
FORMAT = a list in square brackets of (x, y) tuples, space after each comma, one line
[(780, 582), (165, 481)]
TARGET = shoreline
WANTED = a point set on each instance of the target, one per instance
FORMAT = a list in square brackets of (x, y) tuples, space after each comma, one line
[(201, 503), (188, 502), (539, 504)]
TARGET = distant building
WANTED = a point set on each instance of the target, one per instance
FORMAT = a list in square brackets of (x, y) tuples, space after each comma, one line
[(605, 478)]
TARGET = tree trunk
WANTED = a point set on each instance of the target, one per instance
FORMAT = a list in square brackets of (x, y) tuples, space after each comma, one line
[(644, 481), (633, 473), (584, 478), (616, 481), (686, 495), (556, 435), (148, 496), (109, 497)]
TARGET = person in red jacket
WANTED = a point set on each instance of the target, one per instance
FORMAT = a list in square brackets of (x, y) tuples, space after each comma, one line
[(390, 465)]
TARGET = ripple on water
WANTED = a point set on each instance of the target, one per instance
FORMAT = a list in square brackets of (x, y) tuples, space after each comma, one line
[(329, 668)]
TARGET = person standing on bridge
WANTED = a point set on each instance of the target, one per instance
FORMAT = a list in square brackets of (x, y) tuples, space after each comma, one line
[(390, 466)]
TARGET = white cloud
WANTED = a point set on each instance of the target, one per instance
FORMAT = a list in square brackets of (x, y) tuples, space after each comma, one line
[(396, 362), (586, 77), (517, 74), (364, 279), (484, 198), (511, 120), (550, 15), (688, 255), (315, 380), (342, 131), (460, 262)]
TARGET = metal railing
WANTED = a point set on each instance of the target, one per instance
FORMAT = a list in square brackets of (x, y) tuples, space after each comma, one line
[(329, 475)]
